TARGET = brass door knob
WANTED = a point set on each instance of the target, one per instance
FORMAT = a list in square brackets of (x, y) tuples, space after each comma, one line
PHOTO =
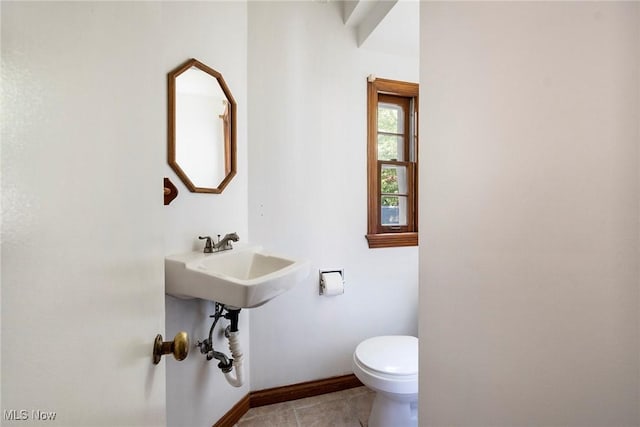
[(179, 347)]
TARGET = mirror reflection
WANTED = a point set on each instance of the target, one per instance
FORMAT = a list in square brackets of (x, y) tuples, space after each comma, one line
[(201, 127)]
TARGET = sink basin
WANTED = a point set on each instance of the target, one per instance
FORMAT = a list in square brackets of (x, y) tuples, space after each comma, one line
[(244, 277)]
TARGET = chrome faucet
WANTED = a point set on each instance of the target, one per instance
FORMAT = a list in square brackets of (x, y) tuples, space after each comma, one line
[(225, 243), (222, 245)]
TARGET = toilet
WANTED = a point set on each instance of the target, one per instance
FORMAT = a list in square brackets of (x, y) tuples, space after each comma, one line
[(388, 365)]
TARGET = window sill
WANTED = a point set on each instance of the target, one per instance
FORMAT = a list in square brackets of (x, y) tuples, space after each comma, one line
[(391, 240)]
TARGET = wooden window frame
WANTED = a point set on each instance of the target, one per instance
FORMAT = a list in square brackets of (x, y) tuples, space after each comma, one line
[(379, 236)]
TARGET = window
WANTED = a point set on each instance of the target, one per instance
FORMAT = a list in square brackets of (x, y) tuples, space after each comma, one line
[(392, 157)]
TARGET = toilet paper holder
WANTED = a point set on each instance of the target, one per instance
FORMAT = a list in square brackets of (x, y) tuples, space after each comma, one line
[(321, 279)]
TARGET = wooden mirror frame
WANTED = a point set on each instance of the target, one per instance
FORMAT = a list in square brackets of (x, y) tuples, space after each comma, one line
[(229, 128)]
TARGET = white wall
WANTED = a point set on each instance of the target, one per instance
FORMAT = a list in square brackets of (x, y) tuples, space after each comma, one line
[(215, 33), (82, 152), (529, 214), (307, 192)]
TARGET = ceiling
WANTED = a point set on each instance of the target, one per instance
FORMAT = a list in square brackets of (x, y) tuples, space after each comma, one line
[(389, 26)]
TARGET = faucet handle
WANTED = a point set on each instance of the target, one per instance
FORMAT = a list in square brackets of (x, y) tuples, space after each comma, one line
[(208, 245)]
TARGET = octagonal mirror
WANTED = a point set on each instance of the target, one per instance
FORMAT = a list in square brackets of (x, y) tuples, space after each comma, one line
[(202, 127)]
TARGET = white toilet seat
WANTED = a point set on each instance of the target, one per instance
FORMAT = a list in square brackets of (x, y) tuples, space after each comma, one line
[(388, 363)]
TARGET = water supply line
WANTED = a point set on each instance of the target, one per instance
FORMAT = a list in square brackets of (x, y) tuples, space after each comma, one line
[(226, 364)]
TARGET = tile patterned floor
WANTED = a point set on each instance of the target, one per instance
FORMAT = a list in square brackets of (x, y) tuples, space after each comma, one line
[(347, 408)]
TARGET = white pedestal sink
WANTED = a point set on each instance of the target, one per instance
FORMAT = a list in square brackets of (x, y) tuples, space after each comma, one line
[(244, 277)]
